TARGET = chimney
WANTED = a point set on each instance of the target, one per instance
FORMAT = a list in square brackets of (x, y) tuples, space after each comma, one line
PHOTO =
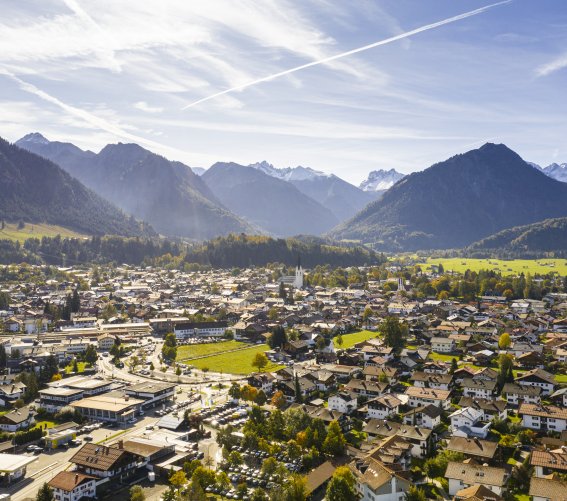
[(76, 478), (121, 444)]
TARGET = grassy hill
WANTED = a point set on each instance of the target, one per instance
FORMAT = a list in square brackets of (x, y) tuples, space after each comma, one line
[(12, 232)]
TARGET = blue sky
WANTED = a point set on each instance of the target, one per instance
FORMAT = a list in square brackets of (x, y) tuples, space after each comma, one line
[(99, 71)]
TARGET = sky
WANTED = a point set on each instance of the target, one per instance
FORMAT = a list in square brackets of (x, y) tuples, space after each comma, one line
[(94, 72)]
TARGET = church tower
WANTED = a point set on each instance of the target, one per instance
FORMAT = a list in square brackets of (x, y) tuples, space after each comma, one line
[(298, 282)]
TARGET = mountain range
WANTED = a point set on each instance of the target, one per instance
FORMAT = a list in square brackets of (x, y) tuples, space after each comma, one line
[(271, 204), (555, 171), (456, 202), (343, 199), (35, 190), (169, 195)]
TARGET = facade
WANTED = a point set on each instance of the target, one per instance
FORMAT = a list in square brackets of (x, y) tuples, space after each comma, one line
[(543, 417)]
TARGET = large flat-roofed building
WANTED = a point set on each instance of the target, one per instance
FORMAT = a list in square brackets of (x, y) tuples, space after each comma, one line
[(115, 407), (152, 393), (54, 399)]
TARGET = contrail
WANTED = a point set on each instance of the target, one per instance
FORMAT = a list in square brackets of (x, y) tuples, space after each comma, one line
[(350, 52), (88, 117)]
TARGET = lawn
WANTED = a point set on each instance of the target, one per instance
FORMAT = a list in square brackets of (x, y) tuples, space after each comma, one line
[(442, 357), (561, 378), (512, 267), (238, 362), (349, 340), (186, 352), (80, 365), (11, 231), (44, 424)]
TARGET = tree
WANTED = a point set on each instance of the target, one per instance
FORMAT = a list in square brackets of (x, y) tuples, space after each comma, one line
[(3, 357), (91, 355), (75, 367), (137, 493), (393, 332), (261, 398), (342, 486), (297, 388), (454, 366), (504, 341), (415, 493), (169, 348), (45, 493), (278, 337), (278, 399), (178, 479), (260, 361), (4, 300), (234, 391), (204, 477), (259, 494), (367, 314), (195, 492), (506, 366), (339, 340), (335, 442)]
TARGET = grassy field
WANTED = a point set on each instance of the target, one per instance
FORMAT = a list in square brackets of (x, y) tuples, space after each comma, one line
[(561, 378), (512, 267), (11, 231), (187, 352), (442, 357), (239, 362), (349, 340)]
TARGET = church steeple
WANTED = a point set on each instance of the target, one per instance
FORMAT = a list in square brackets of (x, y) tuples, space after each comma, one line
[(298, 282)]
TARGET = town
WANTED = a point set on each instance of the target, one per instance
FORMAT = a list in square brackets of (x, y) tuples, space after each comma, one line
[(376, 383)]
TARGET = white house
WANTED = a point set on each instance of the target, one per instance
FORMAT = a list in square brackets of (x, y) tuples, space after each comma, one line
[(539, 378), (462, 475), (543, 417), (443, 345), (343, 402), (479, 388), (418, 397), (377, 482), (515, 394), (72, 486), (467, 422), (383, 407)]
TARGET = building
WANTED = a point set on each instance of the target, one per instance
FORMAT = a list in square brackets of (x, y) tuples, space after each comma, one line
[(18, 419), (420, 438), (547, 462), (443, 345), (152, 393), (343, 402), (463, 475), (426, 416), (538, 378), (60, 435), (72, 486), (383, 407), (516, 394), (13, 467), (468, 422), (54, 399), (479, 388), (200, 329), (109, 407), (105, 462), (543, 417), (295, 280), (418, 397), (377, 482)]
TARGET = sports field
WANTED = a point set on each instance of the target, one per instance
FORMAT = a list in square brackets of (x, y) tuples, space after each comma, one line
[(187, 352), (234, 362), (511, 267)]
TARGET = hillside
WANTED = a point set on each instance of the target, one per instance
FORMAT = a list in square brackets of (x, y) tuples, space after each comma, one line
[(167, 194), (35, 190), (272, 204), (458, 201), (544, 236)]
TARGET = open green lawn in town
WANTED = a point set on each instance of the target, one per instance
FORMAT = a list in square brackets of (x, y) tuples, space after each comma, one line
[(44, 424), (511, 267), (237, 362), (80, 365), (443, 357), (11, 231), (187, 352), (349, 340), (561, 378)]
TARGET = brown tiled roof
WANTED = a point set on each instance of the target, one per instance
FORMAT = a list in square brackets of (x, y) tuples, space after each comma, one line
[(98, 457), (554, 490), (543, 411), (429, 393), (68, 480), (477, 492), (473, 447), (549, 459), (476, 474)]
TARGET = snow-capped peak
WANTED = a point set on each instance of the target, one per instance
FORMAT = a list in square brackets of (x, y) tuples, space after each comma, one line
[(557, 171), (34, 137), (298, 173), (379, 180)]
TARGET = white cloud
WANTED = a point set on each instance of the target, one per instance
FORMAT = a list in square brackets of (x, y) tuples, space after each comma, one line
[(551, 67), (143, 106)]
